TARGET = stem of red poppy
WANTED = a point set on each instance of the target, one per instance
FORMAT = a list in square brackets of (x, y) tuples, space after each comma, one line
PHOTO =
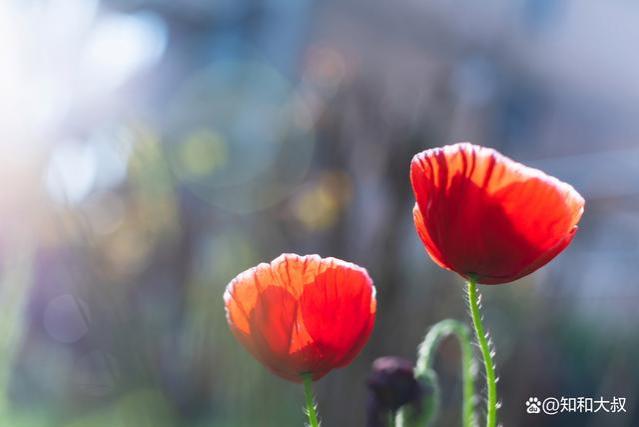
[(482, 340), (310, 401)]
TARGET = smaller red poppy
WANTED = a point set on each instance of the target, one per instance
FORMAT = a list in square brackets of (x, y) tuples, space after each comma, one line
[(302, 315), (485, 216)]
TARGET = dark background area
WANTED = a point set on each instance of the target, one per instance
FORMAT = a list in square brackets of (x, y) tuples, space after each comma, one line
[(151, 150)]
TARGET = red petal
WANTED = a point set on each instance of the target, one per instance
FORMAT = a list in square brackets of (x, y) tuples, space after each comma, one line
[(338, 311), (281, 313), (272, 327), (480, 213)]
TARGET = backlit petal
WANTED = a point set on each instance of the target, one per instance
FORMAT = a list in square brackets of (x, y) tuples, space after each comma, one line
[(482, 214), (301, 315)]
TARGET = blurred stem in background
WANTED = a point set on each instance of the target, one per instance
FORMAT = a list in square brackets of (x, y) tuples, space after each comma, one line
[(424, 372), (310, 401), (474, 303), (15, 282)]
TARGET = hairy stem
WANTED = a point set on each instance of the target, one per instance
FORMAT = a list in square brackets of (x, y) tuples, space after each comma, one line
[(489, 365), (426, 357), (310, 401)]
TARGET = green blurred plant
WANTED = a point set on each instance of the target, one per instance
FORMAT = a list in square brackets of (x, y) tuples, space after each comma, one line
[(426, 374), (14, 286)]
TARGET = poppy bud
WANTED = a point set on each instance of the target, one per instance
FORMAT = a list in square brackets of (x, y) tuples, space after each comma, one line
[(392, 384)]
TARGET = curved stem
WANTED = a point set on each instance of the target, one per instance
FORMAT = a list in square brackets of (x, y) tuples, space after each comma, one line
[(489, 365), (392, 419), (426, 356), (310, 402)]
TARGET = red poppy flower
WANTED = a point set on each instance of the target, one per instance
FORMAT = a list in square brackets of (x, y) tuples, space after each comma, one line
[(485, 216), (302, 314)]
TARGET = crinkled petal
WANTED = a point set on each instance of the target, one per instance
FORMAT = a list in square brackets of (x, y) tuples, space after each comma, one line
[(301, 315), (482, 214)]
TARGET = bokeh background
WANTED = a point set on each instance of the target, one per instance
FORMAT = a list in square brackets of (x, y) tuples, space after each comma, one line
[(150, 150)]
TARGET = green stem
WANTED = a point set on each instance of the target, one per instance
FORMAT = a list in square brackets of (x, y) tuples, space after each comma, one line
[(426, 359), (489, 365), (310, 402)]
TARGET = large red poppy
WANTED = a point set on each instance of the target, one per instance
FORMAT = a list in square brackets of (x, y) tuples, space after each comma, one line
[(302, 314), (485, 216)]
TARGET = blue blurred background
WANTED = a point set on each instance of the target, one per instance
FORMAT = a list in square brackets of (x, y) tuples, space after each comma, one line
[(152, 149)]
